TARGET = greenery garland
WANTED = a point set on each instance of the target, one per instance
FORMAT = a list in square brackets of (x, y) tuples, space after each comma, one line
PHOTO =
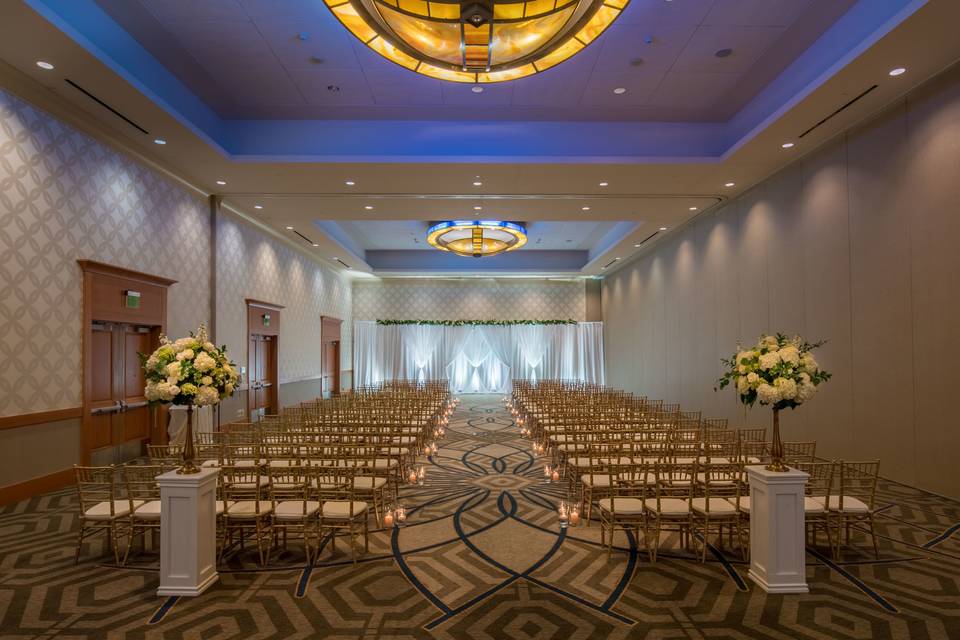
[(464, 323)]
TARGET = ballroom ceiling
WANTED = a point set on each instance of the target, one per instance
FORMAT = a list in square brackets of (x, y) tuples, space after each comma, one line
[(230, 87), (264, 59)]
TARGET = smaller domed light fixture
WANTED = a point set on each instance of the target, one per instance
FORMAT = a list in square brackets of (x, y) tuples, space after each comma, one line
[(477, 238)]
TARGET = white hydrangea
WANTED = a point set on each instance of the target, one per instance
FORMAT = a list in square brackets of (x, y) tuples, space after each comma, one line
[(768, 394), (209, 346), (753, 379), (207, 395), (186, 354), (769, 360), (790, 354), (204, 362), (173, 371), (771, 343), (805, 392), (206, 380), (786, 387), (742, 385), (808, 363), (183, 343), (745, 355)]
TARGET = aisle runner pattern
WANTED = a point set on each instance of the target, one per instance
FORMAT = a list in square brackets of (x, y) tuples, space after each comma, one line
[(483, 557)]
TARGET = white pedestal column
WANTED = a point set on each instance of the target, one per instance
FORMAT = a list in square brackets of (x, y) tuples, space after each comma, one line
[(777, 545), (188, 532)]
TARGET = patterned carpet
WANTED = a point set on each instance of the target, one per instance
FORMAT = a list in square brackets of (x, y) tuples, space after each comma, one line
[(482, 557)]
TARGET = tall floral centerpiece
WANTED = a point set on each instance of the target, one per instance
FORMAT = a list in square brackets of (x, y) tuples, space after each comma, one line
[(189, 372), (778, 371)]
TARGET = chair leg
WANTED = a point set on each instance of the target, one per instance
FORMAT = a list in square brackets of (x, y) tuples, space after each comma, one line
[(873, 535), (79, 542)]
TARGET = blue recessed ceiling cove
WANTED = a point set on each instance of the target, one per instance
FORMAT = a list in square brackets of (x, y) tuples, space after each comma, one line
[(472, 141)]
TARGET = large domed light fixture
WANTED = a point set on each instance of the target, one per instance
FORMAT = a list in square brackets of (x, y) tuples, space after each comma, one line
[(477, 40), (477, 238)]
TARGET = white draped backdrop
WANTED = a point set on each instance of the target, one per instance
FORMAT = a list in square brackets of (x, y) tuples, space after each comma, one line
[(478, 358)]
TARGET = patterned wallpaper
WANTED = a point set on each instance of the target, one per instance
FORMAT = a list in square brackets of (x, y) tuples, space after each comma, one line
[(505, 299), (65, 196), (252, 266)]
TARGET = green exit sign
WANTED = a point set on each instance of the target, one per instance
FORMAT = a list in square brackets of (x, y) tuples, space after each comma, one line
[(131, 299), (266, 319)]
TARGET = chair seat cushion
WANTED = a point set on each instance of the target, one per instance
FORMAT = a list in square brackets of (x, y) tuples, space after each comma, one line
[(207, 464), (718, 506), (294, 509), (744, 503), (596, 480), (368, 482), (248, 508), (101, 510), (668, 506), (340, 509), (850, 504), (148, 511), (622, 506)]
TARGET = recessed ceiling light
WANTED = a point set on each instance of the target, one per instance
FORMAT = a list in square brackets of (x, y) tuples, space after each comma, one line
[(604, 184), (620, 90), (349, 183), (636, 246), (477, 89), (899, 71), (289, 228), (315, 244), (787, 145), (616, 258), (585, 208), (160, 141), (43, 64), (258, 206), (369, 207), (221, 183), (694, 208), (730, 184), (663, 228), (478, 208), (477, 183)]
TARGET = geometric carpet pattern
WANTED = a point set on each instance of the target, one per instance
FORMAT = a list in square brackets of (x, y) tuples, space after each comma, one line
[(482, 557)]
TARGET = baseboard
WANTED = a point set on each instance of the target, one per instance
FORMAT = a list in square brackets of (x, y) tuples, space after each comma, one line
[(36, 486)]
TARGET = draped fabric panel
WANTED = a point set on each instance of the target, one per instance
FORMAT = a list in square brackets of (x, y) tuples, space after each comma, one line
[(480, 358)]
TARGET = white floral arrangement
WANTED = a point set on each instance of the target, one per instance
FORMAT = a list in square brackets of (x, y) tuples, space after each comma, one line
[(778, 371), (189, 371)]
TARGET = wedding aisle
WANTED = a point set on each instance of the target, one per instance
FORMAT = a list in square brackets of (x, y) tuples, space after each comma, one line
[(482, 556)]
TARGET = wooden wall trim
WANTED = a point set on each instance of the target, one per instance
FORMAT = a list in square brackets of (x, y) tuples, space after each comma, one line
[(40, 417), (120, 272), (37, 486), (263, 305)]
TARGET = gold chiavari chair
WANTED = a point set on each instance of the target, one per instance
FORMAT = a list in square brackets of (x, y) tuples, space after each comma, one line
[(340, 510), (246, 506), (102, 508), (853, 502), (717, 507), (816, 498), (143, 495), (164, 454), (295, 511), (668, 509), (624, 507), (794, 452)]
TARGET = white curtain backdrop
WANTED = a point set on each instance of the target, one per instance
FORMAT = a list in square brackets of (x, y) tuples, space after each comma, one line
[(477, 359)]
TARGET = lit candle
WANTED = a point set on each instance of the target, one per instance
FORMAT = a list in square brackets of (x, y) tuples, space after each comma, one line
[(401, 515), (555, 475), (575, 516), (388, 519), (413, 477), (426, 450), (546, 471)]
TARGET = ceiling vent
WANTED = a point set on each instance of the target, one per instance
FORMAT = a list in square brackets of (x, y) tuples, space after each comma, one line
[(640, 244), (106, 106), (838, 111), (344, 263)]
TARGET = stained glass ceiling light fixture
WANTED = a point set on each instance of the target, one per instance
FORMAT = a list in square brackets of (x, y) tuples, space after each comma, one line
[(477, 238), (477, 41)]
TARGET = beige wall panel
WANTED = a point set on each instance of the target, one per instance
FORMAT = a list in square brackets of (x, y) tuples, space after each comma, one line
[(856, 244), (881, 297), (38, 450), (932, 176), (826, 240)]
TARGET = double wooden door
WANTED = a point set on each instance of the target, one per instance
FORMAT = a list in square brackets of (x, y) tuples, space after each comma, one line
[(262, 374), (119, 413)]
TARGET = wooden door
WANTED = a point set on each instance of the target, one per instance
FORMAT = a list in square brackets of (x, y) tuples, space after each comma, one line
[(119, 413), (328, 369), (262, 365)]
